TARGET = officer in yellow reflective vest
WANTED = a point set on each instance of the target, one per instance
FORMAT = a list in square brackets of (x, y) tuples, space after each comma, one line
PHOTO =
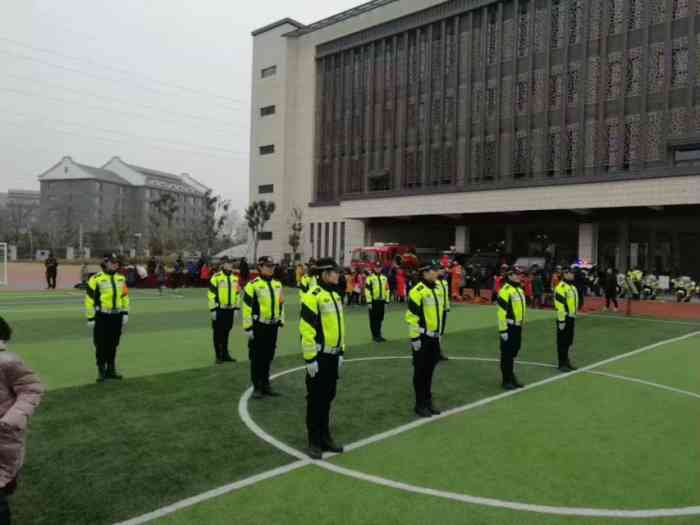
[(322, 328), (511, 318), (308, 280), (107, 307), (425, 318), (263, 315), (224, 293), (445, 290), (566, 302), (377, 296)]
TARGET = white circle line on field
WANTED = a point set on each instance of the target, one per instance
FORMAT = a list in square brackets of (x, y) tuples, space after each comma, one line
[(465, 498)]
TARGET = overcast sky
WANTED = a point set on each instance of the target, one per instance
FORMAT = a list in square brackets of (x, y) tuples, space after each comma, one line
[(160, 83)]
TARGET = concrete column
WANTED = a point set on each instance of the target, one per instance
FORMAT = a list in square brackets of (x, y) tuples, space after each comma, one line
[(355, 236), (651, 250), (588, 242), (623, 246), (462, 239), (509, 239)]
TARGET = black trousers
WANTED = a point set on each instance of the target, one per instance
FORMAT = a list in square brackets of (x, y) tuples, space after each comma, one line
[(565, 339), (4, 509), (106, 336), (261, 352), (509, 351), (376, 318), (222, 328), (424, 362), (51, 279), (320, 393), (611, 297)]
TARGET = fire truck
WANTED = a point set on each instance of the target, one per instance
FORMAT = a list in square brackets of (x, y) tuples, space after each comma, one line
[(384, 253)]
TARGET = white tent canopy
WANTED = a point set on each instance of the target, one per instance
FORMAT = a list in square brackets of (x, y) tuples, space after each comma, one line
[(235, 252)]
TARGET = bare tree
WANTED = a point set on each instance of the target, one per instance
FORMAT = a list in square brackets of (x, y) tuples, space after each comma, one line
[(208, 231), (296, 228), (120, 230), (256, 216), (162, 232)]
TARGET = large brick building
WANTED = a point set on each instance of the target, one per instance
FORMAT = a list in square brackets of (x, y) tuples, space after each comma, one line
[(77, 197), (533, 123)]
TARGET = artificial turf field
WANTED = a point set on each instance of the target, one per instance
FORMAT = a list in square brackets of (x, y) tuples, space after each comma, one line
[(103, 454)]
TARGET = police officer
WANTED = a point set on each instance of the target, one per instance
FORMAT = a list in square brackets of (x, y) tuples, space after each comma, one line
[(322, 328), (107, 307), (308, 280), (377, 296), (511, 318), (566, 302), (445, 290), (224, 294), (425, 318), (263, 315)]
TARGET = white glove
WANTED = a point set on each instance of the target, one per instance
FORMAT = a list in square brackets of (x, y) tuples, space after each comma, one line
[(91, 324), (504, 336), (562, 325), (249, 334), (312, 368), (369, 305), (416, 345), (340, 363), (125, 319), (213, 315)]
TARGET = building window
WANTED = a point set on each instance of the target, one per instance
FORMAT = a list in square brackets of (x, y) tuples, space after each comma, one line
[(268, 72), (680, 9), (658, 11), (522, 90), (335, 240), (572, 143), (555, 90), (267, 150), (490, 160), (267, 110), (575, 21), (557, 28), (572, 87), (631, 147), (266, 188), (265, 236), (616, 14), (679, 62), (614, 75), (523, 30), (687, 156), (522, 155), (554, 153), (634, 72), (596, 19), (656, 68), (635, 19)]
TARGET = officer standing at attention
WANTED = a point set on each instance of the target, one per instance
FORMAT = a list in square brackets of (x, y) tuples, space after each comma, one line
[(566, 302), (223, 303), (377, 296), (263, 315), (107, 307), (425, 318), (511, 317), (322, 327), (445, 289)]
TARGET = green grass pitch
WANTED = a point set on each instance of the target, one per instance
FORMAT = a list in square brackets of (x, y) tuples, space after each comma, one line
[(101, 454)]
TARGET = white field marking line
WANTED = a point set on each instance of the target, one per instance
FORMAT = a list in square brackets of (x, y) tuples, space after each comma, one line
[(640, 319), (647, 383), (503, 504), (220, 491)]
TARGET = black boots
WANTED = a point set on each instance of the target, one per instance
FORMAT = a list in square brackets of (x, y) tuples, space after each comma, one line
[(331, 446), (111, 372), (423, 412), (315, 452)]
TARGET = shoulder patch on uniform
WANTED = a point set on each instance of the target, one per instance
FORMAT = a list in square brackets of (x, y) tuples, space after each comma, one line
[(316, 290), (420, 287)]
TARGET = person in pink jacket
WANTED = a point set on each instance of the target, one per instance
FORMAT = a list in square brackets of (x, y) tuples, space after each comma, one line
[(20, 393)]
